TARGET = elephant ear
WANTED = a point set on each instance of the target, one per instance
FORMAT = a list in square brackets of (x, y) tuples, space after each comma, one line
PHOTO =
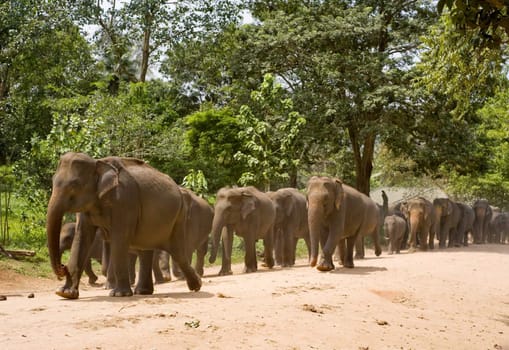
[(248, 204), (108, 178), (339, 193)]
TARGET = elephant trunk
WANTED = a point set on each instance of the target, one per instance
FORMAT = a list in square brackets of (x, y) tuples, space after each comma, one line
[(217, 225), (315, 228), (53, 227)]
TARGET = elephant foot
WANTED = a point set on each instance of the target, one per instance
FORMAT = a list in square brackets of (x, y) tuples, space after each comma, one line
[(225, 272), (194, 284), (359, 256), (269, 264), (250, 269), (349, 265), (325, 266), (68, 293), (312, 262), (412, 250), (119, 292), (143, 291), (389, 253), (378, 251)]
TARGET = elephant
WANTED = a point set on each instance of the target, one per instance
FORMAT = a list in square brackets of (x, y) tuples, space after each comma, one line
[(96, 250), (291, 223), (394, 229), (337, 214), (251, 214), (197, 229), (135, 206), (483, 214), (447, 219), (395, 209), (500, 228), (420, 217), (466, 224)]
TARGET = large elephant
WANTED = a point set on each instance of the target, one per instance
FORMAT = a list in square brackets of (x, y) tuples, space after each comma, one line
[(466, 224), (394, 230), (197, 227), (421, 218), (337, 214), (134, 205), (251, 215), (483, 214), (447, 219), (291, 223)]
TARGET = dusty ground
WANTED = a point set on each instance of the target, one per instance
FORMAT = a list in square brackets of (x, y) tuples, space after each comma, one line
[(452, 299)]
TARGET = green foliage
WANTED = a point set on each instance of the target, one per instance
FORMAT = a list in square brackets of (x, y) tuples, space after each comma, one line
[(487, 19), (212, 138), (270, 129)]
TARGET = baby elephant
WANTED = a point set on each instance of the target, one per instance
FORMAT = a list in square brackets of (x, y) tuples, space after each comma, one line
[(394, 229)]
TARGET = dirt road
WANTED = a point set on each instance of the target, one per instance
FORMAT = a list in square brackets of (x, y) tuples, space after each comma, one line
[(451, 299)]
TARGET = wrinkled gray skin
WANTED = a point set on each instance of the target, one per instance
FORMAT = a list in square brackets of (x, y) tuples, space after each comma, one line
[(375, 236), (500, 228), (466, 224), (251, 215), (133, 204), (96, 250), (197, 226), (337, 214), (420, 217), (394, 229), (395, 209), (483, 214), (447, 216), (291, 224)]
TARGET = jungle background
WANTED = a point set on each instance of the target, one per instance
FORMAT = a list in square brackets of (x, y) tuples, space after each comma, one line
[(265, 93)]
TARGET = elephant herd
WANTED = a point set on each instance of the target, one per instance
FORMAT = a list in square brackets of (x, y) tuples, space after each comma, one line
[(133, 208), (452, 223)]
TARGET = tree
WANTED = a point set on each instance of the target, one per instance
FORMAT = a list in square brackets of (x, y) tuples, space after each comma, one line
[(270, 132), (43, 57), (488, 19), (345, 64), (149, 26)]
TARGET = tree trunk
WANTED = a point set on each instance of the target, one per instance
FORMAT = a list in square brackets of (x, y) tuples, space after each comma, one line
[(363, 156), (145, 55)]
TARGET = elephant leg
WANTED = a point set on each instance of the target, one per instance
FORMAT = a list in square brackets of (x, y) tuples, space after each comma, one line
[(376, 242), (227, 246), (337, 255), (390, 246), (423, 239), (132, 267), (293, 250), (92, 277), (80, 253), (145, 285), (164, 264), (200, 257), (278, 246), (350, 244), (359, 247), (119, 261), (250, 263), (268, 249), (192, 278), (327, 264), (156, 268), (105, 261), (175, 269)]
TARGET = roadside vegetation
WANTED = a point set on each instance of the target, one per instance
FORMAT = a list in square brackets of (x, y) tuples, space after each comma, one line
[(224, 92)]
